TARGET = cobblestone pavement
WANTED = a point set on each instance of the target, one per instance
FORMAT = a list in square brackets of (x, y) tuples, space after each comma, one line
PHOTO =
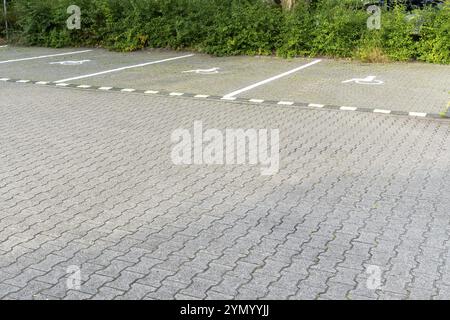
[(86, 182)]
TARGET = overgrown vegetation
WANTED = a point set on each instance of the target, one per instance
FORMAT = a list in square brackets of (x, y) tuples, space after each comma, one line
[(326, 28)]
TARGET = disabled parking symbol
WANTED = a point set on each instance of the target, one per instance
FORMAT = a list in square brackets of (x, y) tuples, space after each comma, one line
[(203, 71), (70, 63), (369, 80)]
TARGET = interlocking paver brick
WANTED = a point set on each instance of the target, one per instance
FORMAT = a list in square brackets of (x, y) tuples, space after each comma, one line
[(86, 180)]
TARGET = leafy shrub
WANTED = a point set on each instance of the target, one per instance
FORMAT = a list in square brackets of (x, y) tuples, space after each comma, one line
[(334, 28)]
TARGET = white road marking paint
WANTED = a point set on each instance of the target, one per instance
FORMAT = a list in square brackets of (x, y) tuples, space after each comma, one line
[(256, 100), (128, 90), (42, 82), (105, 88), (84, 86), (228, 98), (46, 56), (381, 111), (285, 103), (367, 80), (4, 79), (151, 92), (417, 114), (204, 96), (316, 105), (62, 84), (176, 94), (71, 62), (348, 108), (123, 68), (203, 71), (237, 92), (23, 81)]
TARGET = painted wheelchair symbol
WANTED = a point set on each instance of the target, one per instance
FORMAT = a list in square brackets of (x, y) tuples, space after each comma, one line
[(204, 71), (370, 80), (70, 63)]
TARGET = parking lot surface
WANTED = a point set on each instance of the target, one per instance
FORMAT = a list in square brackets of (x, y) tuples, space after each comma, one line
[(358, 210), (413, 87)]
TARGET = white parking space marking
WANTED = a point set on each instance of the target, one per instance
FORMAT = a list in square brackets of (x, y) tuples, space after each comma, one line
[(316, 105), (204, 96), (256, 100), (285, 103), (105, 88), (382, 111), (128, 90), (84, 86), (42, 82), (417, 114), (4, 79), (349, 108), (123, 68), (46, 56), (237, 92), (151, 92)]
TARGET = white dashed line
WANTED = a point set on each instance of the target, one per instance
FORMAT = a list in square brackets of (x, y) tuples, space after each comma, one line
[(256, 100), (84, 86), (4, 79), (382, 111), (123, 68), (285, 103), (128, 90), (176, 94), (417, 114), (42, 82), (348, 108), (62, 84), (46, 56), (316, 105), (228, 98), (151, 92), (105, 88), (203, 96), (23, 81), (237, 92)]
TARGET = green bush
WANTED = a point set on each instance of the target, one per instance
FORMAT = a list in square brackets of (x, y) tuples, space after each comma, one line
[(326, 28)]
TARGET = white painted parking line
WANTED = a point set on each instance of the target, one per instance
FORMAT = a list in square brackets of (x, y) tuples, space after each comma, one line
[(316, 105), (123, 68), (42, 82), (285, 103), (128, 90), (105, 88), (46, 56), (256, 100), (348, 108), (84, 86), (176, 94), (237, 92), (382, 111), (62, 84), (4, 79), (228, 98), (23, 81), (204, 96), (151, 92), (417, 114)]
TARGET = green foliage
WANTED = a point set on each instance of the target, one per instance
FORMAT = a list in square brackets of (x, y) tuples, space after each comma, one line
[(334, 28)]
